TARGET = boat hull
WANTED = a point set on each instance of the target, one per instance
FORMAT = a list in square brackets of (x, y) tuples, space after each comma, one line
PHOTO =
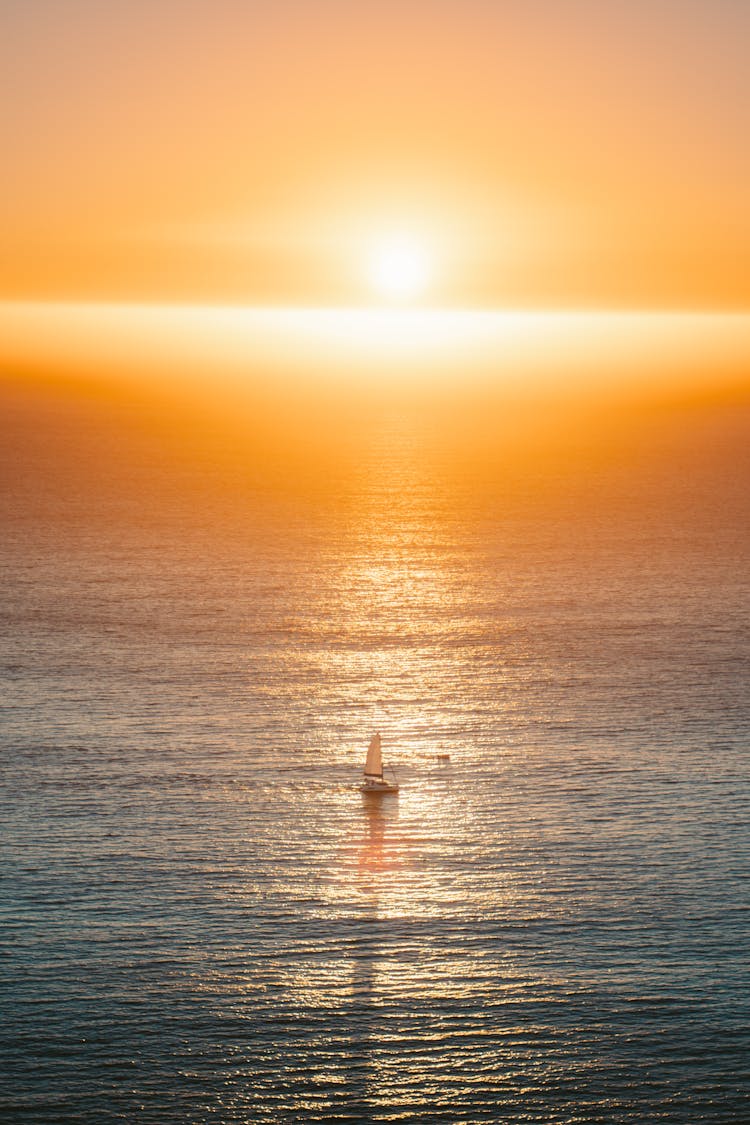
[(376, 788)]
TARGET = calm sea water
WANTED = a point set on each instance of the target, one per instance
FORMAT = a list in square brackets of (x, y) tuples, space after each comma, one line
[(202, 918)]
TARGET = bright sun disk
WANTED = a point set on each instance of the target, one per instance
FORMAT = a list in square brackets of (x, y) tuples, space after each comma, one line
[(399, 269)]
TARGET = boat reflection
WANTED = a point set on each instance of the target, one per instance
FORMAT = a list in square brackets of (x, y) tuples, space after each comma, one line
[(378, 854), (379, 858)]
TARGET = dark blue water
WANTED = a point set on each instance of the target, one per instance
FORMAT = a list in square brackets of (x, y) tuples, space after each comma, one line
[(204, 921)]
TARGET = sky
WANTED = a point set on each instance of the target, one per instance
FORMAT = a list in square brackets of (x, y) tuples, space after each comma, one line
[(546, 153)]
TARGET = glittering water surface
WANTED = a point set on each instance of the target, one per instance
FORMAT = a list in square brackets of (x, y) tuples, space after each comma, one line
[(203, 919)]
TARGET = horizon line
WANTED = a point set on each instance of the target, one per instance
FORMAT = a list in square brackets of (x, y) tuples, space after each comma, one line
[(379, 307)]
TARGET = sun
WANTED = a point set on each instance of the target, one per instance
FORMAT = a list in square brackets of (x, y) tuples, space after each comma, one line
[(399, 268)]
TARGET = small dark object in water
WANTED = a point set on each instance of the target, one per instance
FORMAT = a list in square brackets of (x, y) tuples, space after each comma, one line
[(443, 757)]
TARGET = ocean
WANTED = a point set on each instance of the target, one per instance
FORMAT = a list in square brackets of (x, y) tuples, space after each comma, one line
[(203, 920)]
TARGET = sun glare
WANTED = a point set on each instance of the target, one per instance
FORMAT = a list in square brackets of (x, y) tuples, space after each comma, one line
[(398, 269)]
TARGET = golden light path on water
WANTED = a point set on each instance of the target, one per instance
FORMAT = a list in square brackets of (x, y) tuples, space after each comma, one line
[(392, 625)]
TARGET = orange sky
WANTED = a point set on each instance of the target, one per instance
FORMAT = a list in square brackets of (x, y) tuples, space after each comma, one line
[(567, 152)]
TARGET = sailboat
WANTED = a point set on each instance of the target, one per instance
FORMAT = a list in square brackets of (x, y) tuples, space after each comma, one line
[(374, 781)]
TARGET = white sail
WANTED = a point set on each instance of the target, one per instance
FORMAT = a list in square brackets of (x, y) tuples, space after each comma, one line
[(374, 760)]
